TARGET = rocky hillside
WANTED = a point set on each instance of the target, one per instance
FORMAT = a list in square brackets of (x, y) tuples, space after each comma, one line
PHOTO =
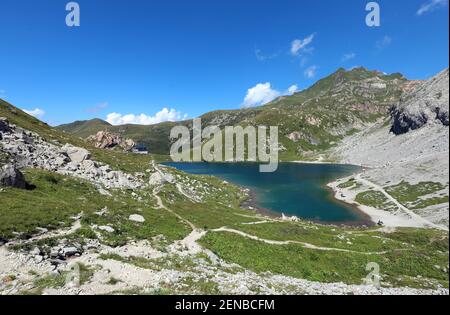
[(28, 150), (309, 122), (408, 153)]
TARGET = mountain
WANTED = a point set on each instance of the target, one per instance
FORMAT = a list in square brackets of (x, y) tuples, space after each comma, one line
[(309, 121), (407, 154), (84, 129)]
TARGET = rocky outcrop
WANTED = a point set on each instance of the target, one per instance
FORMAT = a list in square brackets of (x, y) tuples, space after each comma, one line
[(108, 140), (427, 103), (10, 176), (297, 136), (28, 150)]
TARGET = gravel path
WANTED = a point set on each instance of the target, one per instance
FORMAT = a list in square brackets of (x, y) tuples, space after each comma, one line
[(305, 245)]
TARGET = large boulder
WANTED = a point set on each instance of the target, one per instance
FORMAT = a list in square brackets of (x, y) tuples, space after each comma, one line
[(4, 125), (75, 154), (10, 176), (108, 140)]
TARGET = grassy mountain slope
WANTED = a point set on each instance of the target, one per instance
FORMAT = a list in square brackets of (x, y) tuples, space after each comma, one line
[(319, 116), (84, 129)]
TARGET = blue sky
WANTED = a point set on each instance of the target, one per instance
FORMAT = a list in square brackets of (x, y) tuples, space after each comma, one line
[(190, 57)]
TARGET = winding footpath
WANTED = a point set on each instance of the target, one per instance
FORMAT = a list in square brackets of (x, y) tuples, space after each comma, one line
[(303, 244)]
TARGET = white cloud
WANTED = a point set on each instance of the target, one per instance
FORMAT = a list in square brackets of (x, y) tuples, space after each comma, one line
[(292, 89), (37, 112), (311, 72), (260, 94), (301, 45), (348, 57), (162, 116), (263, 93), (384, 42), (431, 6)]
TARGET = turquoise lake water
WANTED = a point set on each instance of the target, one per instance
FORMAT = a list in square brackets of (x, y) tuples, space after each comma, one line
[(294, 189)]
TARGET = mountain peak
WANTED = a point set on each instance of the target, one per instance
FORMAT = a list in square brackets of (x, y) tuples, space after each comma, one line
[(85, 128)]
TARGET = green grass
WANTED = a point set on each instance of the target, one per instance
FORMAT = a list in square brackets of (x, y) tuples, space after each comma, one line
[(57, 199), (350, 183), (411, 196), (405, 192), (421, 204), (51, 205), (356, 239), (374, 199), (326, 266), (60, 280)]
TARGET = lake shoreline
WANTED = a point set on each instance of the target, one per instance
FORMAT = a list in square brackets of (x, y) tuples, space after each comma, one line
[(367, 220), (252, 204)]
